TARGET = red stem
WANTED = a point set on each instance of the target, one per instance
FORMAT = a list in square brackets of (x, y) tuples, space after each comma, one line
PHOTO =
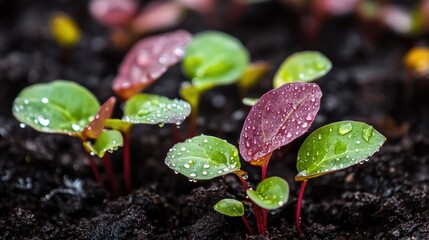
[(94, 168), (243, 182), (265, 219), (265, 166), (111, 175), (126, 162), (264, 169), (247, 225), (298, 208)]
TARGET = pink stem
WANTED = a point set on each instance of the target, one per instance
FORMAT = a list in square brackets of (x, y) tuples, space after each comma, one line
[(126, 162), (265, 219), (265, 166), (298, 208), (247, 224), (264, 169), (94, 169), (111, 175)]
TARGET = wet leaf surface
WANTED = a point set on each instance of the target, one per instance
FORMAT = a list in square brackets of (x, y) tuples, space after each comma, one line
[(271, 193), (229, 207), (214, 58), (203, 157), (148, 60), (337, 146), (302, 67), (108, 141), (279, 117), (95, 127), (154, 109), (56, 107)]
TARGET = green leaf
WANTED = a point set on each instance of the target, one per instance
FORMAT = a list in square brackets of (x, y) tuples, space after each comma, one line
[(249, 101), (214, 58), (118, 124), (271, 193), (229, 207), (108, 141), (56, 107), (337, 146), (203, 157), (302, 67), (154, 109)]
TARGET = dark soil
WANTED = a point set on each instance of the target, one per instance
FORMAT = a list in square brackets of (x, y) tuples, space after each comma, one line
[(48, 192)]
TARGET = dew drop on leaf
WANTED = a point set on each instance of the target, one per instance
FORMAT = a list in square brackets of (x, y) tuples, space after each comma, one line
[(367, 133), (345, 128)]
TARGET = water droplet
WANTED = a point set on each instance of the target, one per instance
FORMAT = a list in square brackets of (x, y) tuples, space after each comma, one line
[(192, 174), (304, 125), (206, 166), (183, 149), (161, 125), (340, 147), (76, 127), (345, 128), (43, 121), (45, 100), (367, 133), (186, 165), (205, 140), (176, 172), (22, 125), (204, 172)]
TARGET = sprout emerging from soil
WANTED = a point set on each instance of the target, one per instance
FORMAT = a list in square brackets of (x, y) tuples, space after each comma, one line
[(279, 117), (334, 147), (211, 59), (67, 108)]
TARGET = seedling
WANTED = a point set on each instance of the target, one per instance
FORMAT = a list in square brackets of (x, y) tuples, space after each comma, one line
[(334, 147), (148, 60), (146, 109), (211, 59), (206, 157), (142, 66), (279, 117), (304, 66), (67, 108)]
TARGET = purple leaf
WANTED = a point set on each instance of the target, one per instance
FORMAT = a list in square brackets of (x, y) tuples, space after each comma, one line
[(113, 13), (148, 60), (280, 116)]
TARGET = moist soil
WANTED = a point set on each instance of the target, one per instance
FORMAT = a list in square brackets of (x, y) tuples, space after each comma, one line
[(48, 192)]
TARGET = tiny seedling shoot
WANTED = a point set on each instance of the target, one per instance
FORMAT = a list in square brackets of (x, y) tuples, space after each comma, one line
[(142, 66), (331, 148), (67, 108), (211, 59), (146, 109)]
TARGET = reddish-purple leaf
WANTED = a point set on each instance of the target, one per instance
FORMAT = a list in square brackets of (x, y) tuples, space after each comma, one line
[(158, 15), (113, 13), (148, 60), (96, 126), (280, 116)]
